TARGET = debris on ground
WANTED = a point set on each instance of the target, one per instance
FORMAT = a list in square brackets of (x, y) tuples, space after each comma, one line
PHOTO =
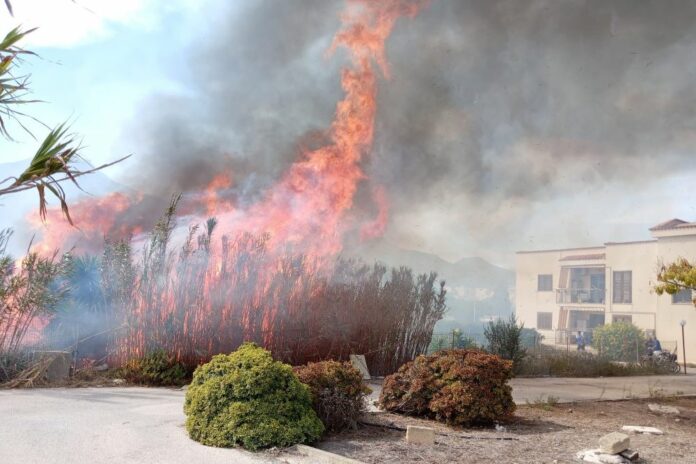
[(613, 449), (641, 429), (532, 437), (614, 443), (48, 367), (631, 455), (597, 457), (662, 409), (420, 435)]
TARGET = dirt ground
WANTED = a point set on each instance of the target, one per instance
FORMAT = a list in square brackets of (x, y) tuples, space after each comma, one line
[(540, 433)]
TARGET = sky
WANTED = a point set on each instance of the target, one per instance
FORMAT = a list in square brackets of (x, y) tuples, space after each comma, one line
[(506, 125)]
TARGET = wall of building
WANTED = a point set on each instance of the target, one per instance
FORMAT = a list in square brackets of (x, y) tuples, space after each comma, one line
[(646, 309), (641, 259), (528, 301)]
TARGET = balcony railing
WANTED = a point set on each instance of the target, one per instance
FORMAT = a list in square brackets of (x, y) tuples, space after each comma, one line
[(580, 295)]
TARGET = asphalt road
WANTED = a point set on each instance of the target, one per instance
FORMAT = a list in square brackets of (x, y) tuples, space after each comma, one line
[(103, 425), (145, 425), (606, 388)]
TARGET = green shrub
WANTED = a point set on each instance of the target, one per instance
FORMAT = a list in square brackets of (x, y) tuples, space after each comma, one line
[(449, 340), (530, 338), (338, 392), (557, 363), (620, 341), (505, 340), (459, 387), (248, 399), (157, 368)]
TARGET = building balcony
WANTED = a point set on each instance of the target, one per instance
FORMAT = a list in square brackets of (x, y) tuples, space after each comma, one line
[(581, 296)]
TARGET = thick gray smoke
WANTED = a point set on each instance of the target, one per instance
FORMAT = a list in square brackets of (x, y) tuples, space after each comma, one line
[(494, 106)]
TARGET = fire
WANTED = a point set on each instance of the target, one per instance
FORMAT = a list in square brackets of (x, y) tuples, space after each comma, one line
[(95, 218), (213, 203), (305, 211)]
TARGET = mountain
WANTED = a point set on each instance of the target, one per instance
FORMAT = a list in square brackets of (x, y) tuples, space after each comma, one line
[(476, 289)]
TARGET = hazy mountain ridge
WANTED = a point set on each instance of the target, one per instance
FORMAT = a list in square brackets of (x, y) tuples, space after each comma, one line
[(476, 288)]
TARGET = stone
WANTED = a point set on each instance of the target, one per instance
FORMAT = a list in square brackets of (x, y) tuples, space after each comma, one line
[(631, 455), (597, 457), (358, 361), (614, 443), (58, 364), (420, 435), (118, 381), (641, 429), (662, 409)]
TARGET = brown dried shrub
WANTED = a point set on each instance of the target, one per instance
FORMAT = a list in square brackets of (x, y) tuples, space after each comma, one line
[(459, 387), (338, 392)]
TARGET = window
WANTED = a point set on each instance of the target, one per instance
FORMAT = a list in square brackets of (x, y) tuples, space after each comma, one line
[(683, 296), (544, 321), (622, 287), (545, 283), (622, 318)]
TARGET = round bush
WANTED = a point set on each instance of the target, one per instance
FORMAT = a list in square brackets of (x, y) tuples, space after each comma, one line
[(338, 392), (620, 341), (247, 399), (459, 387), (157, 368)]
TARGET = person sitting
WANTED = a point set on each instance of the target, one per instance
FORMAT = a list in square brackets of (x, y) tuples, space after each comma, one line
[(650, 345), (657, 347)]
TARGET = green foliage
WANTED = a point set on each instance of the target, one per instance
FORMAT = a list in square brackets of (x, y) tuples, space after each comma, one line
[(547, 404), (55, 160), (675, 277), (530, 338), (338, 392), (559, 363), (505, 340), (453, 339), (247, 399), (620, 341), (459, 387), (156, 368), (27, 291)]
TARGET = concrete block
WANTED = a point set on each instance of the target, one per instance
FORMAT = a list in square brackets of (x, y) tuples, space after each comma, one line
[(614, 443), (641, 429), (59, 363), (631, 455), (662, 409), (420, 435), (358, 361), (311, 455), (597, 457)]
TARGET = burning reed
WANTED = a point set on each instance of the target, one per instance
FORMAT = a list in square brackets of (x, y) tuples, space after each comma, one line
[(195, 304)]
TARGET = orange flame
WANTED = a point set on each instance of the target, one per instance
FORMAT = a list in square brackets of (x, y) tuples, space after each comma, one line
[(305, 210)]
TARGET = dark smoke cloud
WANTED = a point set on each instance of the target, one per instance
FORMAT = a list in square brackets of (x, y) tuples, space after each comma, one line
[(494, 105)]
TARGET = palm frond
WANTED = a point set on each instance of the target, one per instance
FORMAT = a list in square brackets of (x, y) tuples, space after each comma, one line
[(53, 163)]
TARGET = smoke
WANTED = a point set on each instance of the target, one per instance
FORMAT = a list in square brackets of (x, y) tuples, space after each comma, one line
[(494, 107)]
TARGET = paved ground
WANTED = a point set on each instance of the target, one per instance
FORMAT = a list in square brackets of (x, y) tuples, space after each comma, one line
[(145, 425), (109, 425), (608, 388)]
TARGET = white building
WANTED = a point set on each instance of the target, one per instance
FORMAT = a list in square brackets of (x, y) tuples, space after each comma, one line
[(560, 292)]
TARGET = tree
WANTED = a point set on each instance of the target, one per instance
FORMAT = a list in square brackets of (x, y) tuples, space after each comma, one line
[(56, 159), (505, 339), (619, 341), (676, 277)]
